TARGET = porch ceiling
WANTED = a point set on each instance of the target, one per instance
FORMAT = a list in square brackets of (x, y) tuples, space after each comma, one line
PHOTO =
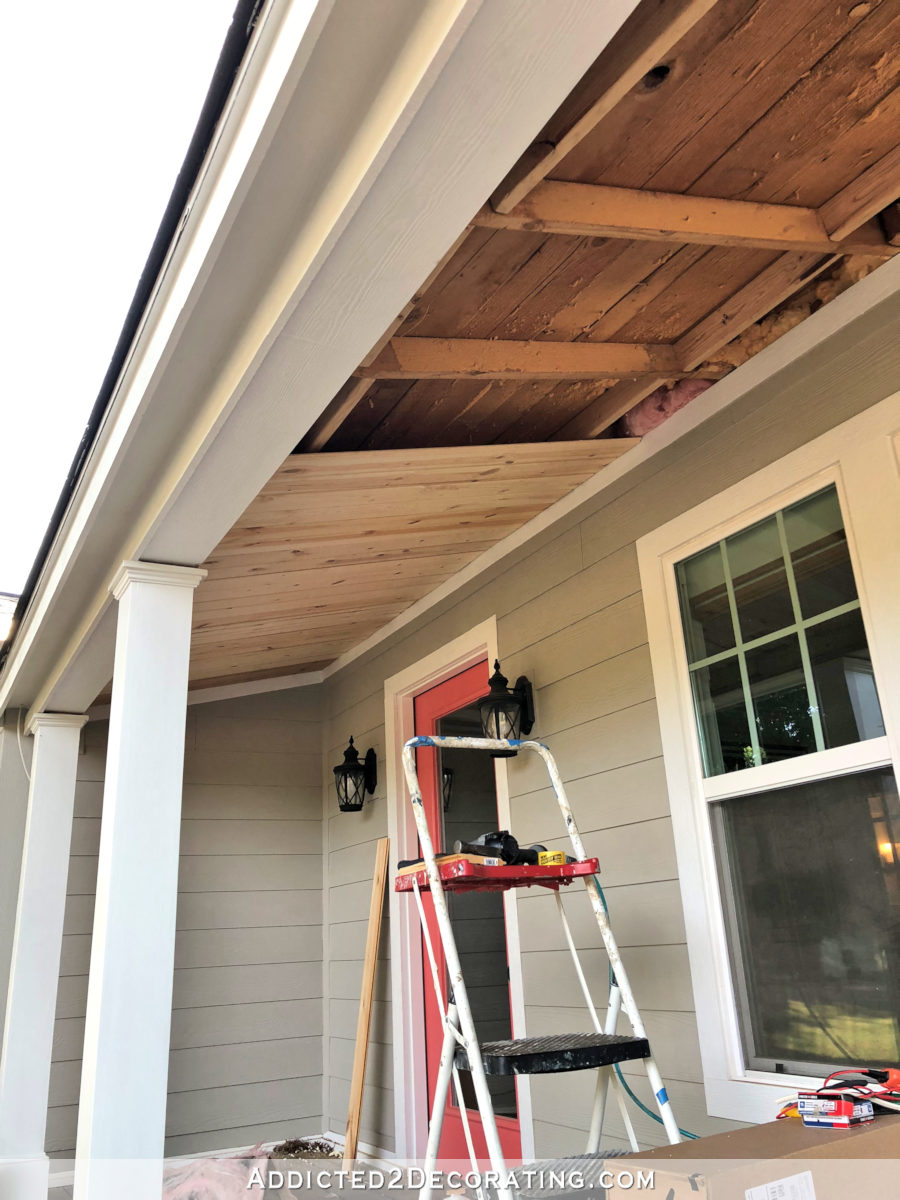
[(337, 545), (723, 169), (718, 156)]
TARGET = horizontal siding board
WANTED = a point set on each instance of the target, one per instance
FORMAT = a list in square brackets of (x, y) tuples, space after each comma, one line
[(595, 588), (629, 736), (214, 730), (247, 767), (672, 1035), (643, 914), (345, 980), (351, 900), (245, 947), (205, 836), (379, 1063), (200, 987), (68, 1038), (261, 1020), (242, 1104), (244, 1138), (248, 1062), (632, 793), (249, 872), (354, 864), (595, 638), (342, 1014), (347, 940), (88, 797), (616, 683), (249, 909), (250, 801), (659, 977), (377, 1108)]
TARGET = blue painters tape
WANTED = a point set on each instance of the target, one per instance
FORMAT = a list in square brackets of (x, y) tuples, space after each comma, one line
[(662, 1096)]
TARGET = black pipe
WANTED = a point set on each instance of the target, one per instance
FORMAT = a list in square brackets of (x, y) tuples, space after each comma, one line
[(243, 22)]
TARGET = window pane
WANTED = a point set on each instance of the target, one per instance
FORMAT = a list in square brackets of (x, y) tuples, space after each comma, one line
[(815, 920), (760, 580), (845, 685), (722, 717), (780, 701), (705, 610), (821, 560)]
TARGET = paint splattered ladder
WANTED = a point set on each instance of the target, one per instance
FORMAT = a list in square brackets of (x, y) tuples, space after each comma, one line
[(600, 1050)]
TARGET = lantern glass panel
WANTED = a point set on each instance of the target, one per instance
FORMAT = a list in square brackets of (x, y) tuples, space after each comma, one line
[(351, 787), (501, 719)]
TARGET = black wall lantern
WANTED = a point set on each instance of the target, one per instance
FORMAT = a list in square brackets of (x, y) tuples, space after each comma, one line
[(507, 713), (352, 778)]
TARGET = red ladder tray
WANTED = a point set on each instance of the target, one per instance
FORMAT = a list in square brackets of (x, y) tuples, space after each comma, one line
[(458, 875)]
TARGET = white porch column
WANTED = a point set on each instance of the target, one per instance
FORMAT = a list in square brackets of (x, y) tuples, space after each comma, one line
[(122, 1109), (15, 757), (37, 941)]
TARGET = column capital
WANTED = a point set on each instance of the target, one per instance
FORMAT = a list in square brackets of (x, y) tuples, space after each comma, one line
[(132, 571), (44, 720)]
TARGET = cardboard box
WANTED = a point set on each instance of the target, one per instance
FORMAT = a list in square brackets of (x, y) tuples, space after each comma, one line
[(782, 1160)]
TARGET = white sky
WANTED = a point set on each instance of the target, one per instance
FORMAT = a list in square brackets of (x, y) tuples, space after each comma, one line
[(99, 102)]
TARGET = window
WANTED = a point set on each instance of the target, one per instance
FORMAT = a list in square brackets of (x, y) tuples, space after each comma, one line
[(779, 666), (777, 653), (775, 644)]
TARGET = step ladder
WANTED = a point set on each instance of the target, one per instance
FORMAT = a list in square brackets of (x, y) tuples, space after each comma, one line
[(599, 1050)]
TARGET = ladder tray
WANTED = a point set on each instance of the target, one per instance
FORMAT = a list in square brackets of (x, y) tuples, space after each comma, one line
[(464, 875)]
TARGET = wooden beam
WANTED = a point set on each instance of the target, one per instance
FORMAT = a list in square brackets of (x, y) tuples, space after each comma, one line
[(779, 280), (606, 409), (460, 358), (890, 219), (642, 42), (866, 196), (786, 275), (591, 210), (337, 412), (340, 408)]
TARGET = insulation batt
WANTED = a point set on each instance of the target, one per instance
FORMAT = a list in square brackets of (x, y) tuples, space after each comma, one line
[(661, 404), (670, 397), (212, 1178)]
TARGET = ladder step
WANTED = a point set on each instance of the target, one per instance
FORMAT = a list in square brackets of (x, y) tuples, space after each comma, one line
[(560, 1052)]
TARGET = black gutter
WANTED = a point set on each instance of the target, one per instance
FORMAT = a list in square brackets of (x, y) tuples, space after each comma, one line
[(243, 22)]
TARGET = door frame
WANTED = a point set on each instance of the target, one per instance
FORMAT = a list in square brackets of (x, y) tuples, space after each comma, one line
[(411, 1100)]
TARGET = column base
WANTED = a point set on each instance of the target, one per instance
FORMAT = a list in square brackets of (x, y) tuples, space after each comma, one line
[(24, 1178)]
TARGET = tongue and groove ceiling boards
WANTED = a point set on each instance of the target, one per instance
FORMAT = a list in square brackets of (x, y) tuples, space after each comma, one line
[(337, 545), (724, 167)]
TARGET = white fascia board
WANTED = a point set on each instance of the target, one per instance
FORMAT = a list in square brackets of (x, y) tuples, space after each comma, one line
[(281, 47), (459, 101)]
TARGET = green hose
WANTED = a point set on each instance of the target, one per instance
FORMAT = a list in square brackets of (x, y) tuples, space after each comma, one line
[(643, 1107)]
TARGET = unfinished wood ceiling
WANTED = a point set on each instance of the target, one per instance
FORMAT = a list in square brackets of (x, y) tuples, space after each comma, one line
[(337, 545), (717, 157), (724, 167)]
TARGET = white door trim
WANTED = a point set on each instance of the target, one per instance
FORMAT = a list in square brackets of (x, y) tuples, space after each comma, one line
[(411, 1099)]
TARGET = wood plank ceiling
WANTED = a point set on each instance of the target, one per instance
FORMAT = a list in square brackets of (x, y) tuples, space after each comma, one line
[(725, 166), (336, 545)]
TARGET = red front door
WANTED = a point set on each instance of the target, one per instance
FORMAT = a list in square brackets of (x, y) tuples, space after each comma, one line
[(478, 919)]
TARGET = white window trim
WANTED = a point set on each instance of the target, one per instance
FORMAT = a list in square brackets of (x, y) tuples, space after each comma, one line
[(860, 458)]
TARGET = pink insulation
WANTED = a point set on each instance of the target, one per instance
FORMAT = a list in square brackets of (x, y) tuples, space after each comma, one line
[(213, 1178), (661, 404)]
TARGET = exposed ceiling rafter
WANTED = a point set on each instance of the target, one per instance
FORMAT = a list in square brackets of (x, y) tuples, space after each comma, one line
[(642, 42), (591, 210)]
